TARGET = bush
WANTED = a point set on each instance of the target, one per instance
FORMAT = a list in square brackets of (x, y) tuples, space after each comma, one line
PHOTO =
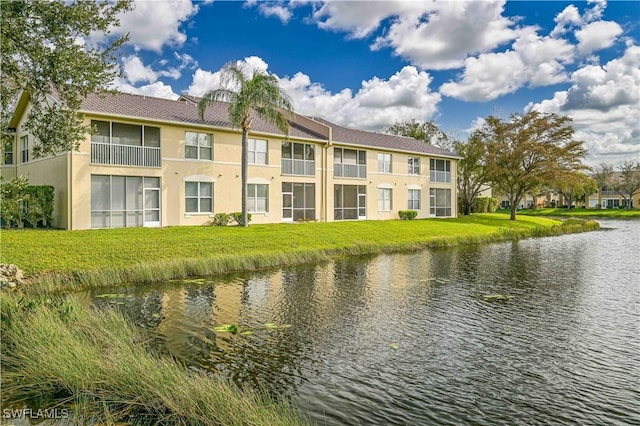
[(221, 219), (493, 205), (407, 214), (20, 202), (485, 205), (237, 217)]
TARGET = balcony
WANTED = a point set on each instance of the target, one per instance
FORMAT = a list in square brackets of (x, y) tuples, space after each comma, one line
[(125, 155), (298, 167), (350, 170), (440, 176)]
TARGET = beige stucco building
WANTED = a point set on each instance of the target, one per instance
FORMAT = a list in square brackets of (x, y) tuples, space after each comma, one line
[(154, 162)]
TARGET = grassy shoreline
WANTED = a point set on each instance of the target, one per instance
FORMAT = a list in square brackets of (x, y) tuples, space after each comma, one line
[(71, 260)]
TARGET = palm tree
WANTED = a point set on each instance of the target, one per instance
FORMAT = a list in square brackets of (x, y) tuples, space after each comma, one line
[(259, 96)]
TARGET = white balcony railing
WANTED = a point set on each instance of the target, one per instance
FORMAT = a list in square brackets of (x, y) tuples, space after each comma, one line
[(440, 176), (350, 170), (298, 167), (125, 155)]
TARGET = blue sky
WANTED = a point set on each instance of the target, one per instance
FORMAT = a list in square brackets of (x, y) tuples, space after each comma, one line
[(366, 64)]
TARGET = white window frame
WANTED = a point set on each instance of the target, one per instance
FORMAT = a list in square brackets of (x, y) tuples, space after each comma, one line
[(25, 148), (414, 202), (198, 197), (413, 164), (437, 210), (440, 170), (298, 166), (258, 156), (203, 141), (385, 199), (349, 169), (255, 198), (384, 163)]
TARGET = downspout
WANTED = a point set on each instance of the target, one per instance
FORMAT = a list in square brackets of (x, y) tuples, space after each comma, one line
[(325, 172), (69, 190)]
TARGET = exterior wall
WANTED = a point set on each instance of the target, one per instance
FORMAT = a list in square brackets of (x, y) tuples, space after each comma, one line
[(223, 171), (52, 171), (399, 180), (71, 175)]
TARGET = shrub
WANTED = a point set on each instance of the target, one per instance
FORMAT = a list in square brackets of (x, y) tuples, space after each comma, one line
[(221, 219), (485, 205), (20, 202), (493, 205), (237, 217), (407, 214), (13, 193), (39, 205)]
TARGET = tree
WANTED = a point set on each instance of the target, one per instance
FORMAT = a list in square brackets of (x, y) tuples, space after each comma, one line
[(528, 151), (426, 131), (45, 50), (575, 187), (472, 173), (626, 183), (259, 94)]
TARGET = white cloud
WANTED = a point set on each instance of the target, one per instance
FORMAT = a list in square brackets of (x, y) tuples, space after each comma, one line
[(377, 104), (135, 71), (153, 24), (445, 33), (604, 102), (156, 90), (279, 11), (431, 35), (597, 35), (534, 61), (203, 80)]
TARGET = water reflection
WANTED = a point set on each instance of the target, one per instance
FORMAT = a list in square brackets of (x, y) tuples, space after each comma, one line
[(410, 339)]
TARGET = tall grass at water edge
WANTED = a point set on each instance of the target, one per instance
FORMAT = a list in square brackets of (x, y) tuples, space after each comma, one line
[(97, 365), (68, 260)]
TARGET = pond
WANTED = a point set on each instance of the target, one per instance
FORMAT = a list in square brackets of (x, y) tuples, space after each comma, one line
[(413, 339)]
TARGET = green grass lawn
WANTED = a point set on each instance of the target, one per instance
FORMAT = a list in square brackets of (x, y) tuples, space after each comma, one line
[(579, 212), (156, 254)]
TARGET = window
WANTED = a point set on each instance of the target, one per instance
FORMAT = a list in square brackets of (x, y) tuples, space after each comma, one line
[(8, 152), (440, 170), (198, 197), (349, 163), (24, 142), (124, 201), (125, 144), (414, 199), (349, 202), (298, 159), (414, 165), (298, 201), (257, 198), (384, 199), (198, 146), (440, 200), (384, 163), (257, 151)]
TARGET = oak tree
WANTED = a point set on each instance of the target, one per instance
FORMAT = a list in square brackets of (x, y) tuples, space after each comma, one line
[(46, 49), (529, 151)]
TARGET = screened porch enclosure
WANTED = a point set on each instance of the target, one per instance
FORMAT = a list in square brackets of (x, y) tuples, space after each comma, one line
[(124, 201), (350, 202)]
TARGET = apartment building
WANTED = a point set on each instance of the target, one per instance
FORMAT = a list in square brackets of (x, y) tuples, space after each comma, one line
[(154, 162)]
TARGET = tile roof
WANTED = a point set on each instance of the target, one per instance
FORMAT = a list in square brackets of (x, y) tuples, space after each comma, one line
[(382, 140), (185, 110), (180, 111)]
